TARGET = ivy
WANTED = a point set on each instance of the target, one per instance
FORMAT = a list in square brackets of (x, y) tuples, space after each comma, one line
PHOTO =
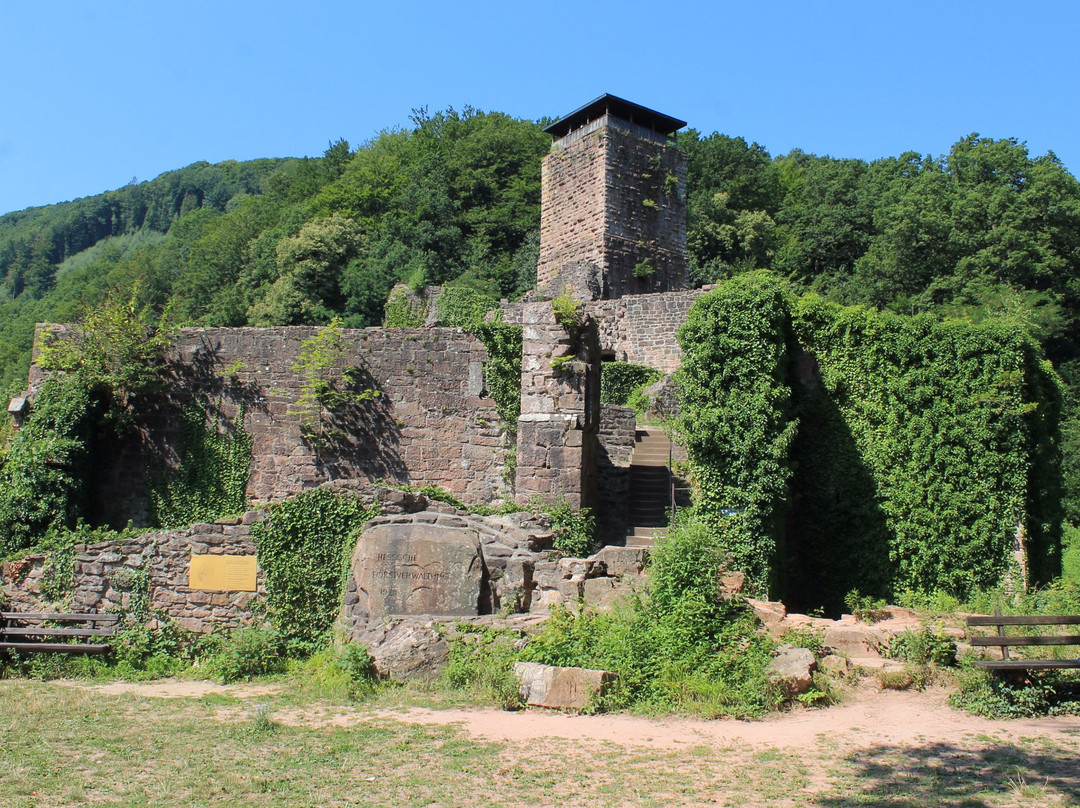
[(736, 417), (620, 382), (211, 478), (44, 472), (953, 427), (402, 312), (502, 371), (462, 307), (843, 448), (304, 547)]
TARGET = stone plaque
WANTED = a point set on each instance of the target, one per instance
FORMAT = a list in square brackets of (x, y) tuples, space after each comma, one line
[(413, 569), (231, 573)]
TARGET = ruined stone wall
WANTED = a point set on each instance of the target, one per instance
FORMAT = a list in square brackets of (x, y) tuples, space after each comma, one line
[(642, 328), (560, 410), (430, 424), (107, 574)]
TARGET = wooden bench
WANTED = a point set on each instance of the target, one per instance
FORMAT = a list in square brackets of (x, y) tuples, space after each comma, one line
[(1006, 641), (30, 632)]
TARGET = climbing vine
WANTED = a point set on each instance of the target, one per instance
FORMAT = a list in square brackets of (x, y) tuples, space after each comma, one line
[(401, 312), (502, 371), (304, 547), (326, 386), (848, 448), (211, 478), (736, 417), (462, 307)]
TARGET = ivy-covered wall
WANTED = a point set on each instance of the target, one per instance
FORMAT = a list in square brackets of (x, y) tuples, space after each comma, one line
[(841, 448)]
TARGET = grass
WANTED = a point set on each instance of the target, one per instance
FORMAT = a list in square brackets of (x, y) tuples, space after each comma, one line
[(67, 746)]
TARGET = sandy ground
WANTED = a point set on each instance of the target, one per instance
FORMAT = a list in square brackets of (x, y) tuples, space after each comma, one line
[(869, 717)]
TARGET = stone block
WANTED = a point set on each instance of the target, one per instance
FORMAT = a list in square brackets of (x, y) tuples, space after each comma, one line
[(417, 569), (792, 668), (561, 688)]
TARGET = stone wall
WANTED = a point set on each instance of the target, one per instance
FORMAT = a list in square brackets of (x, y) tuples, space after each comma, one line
[(642, 328), (431, 423), (617, 431), (560, 410), (108, 576)]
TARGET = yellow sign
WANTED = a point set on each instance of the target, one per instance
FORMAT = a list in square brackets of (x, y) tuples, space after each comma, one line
[(232, 573)]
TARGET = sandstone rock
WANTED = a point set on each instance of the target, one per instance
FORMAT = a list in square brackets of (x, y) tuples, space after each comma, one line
[(856, 640), (619, 561), (768, 612), (831, 663), (793, 669), (417, 569), (732, 584), (405, 649), (561, 688)]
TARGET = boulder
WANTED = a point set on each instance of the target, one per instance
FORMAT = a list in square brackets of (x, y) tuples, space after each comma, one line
[(403, 649), (793, 669), (561, 688)]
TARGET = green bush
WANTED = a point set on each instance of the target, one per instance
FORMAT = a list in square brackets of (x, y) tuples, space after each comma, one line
[(1047, 693), (246, 653), (620, 381), (679, 647), (481, 663), (304, 546), (926, 646), (575, 530)]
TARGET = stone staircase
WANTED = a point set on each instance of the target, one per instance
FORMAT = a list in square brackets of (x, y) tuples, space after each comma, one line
[(650, 487)]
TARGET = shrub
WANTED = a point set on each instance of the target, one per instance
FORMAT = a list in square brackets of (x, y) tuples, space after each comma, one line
[(304, 546), (575, 530), (620, 381), (481, 663), (462, 307), (1046, 693), (926, 646), (245, 653), (678, 647)]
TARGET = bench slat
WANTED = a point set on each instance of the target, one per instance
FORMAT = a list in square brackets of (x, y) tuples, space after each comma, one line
[(1027, 664), (60, 618), (57, 632), (55, 647), (1025, 620), (1063, 639)]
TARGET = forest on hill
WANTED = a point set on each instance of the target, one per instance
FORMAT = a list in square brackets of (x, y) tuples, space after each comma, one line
[(986, 232)]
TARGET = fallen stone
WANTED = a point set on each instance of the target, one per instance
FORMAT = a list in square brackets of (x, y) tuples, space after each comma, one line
[(792, 668), (834, 664), (768, 612), (561, 688), (403, 650), (732, 585)]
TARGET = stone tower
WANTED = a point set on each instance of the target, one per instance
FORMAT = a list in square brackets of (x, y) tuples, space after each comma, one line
[(612, 223), (613, 209)]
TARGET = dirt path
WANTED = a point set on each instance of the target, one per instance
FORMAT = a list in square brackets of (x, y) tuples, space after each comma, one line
[(869, 717)]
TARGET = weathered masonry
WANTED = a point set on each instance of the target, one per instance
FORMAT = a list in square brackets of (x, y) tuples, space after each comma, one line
[(612, 224)]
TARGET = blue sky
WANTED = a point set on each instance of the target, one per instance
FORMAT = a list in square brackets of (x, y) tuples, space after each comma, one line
[(95, 93)]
